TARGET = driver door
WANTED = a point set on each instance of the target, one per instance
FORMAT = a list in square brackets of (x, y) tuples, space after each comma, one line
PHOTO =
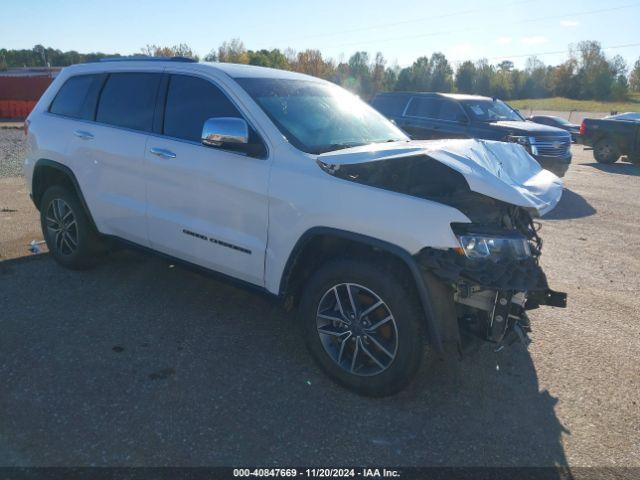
[(205, 205)]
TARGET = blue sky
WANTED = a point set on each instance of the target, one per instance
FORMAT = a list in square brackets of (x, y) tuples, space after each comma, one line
[(402, 31)]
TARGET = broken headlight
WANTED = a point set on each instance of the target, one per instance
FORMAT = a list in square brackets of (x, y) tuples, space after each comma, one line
[(494, 247)]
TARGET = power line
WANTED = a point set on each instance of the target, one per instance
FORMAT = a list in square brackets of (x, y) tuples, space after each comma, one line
[(529, 20), (557, 52), (406, 22)]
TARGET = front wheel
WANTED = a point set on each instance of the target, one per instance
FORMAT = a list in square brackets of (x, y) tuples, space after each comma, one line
[(363, 326), (606, 151)]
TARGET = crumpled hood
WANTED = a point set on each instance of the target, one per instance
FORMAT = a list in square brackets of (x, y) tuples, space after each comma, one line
[(504, 171)]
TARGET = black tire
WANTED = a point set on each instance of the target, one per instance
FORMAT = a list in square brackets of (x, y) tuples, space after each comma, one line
[(78, 244), (606, 151), (367, 281)]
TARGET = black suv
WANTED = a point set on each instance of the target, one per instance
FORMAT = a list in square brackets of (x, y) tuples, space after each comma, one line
[(443, 115)]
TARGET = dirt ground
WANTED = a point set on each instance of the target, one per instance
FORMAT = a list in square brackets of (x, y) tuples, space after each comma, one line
[(139, 363)]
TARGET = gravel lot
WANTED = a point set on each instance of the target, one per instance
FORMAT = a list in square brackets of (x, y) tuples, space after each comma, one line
[(12, 151), (140, 363)]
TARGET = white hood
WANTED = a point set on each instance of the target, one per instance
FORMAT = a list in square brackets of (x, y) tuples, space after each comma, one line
[(504, 171)]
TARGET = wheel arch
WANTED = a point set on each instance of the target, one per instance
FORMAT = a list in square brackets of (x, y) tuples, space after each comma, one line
[(318, 244), (47, 173)]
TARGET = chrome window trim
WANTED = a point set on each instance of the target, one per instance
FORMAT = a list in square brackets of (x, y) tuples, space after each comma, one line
[(160, 135)]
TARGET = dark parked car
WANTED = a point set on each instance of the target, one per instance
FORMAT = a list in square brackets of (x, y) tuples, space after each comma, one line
[(558, 122), (612, 138), (627, 116), (443, 115)]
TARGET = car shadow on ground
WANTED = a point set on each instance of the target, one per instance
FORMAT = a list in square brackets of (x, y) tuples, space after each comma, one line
[(138, 362), (619, 168), (571, 205)]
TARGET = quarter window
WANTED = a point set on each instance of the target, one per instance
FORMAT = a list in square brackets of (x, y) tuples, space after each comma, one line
[(128, 100), (190, 102), (77, 97)]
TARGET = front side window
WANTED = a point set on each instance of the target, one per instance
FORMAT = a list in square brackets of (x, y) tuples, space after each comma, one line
[(490, 111), (128, 100), (77, 97), (190, 102), (316, 117), (450, 111)]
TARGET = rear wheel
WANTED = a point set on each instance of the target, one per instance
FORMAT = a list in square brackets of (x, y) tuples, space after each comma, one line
[(363, 326), (70, 236), (606, 151)]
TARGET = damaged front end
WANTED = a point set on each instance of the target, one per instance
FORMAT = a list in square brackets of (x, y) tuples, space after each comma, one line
[(483, 288), (490, 281)]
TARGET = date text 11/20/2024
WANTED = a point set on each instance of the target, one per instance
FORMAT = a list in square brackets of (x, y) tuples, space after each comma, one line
[(317, 472)]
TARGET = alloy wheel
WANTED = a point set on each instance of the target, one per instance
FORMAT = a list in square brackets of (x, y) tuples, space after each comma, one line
[(357, 329), (62, 226)]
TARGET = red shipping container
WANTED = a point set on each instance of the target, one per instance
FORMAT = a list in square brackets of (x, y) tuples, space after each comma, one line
[(23, 88), (18, 95)]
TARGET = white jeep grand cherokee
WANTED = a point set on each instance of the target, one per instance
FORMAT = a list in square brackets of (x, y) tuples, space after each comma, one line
[(292, 185)]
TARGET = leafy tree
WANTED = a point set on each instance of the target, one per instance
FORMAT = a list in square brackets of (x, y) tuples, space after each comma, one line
[(587, 74), (466, 77), (378, 73), (563, 79), (233, 51), (484, 72), (441, 73), (269, 58), (634, 77), (212, 56), (180, 50), (312, 63)]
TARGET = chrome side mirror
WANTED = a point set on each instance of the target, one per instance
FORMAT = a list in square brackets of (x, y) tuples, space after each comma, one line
[(220, 130)]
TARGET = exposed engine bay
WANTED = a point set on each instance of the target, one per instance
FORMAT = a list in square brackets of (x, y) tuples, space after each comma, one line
[(484, 288)]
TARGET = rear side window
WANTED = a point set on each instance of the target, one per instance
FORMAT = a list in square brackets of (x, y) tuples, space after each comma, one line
[(390, 105), (423, 107), (190, 102), (77, 97), (128, 100)]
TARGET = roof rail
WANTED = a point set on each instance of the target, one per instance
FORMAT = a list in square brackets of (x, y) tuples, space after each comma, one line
[(145, 58)]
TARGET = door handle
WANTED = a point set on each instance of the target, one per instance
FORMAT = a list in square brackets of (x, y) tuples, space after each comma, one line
[(161, 152), (83, 134)]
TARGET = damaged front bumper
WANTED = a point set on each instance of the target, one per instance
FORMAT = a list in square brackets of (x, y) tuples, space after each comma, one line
[(484, 298)]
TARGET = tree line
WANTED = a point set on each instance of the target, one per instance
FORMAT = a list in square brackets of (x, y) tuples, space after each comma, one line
[(587, 73)]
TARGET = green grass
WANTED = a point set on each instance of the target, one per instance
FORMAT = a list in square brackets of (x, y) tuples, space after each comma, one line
[(562, 104)]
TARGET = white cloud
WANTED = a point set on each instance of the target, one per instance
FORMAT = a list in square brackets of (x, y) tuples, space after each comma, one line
[(569, 23), (504, 40), (534, 40)]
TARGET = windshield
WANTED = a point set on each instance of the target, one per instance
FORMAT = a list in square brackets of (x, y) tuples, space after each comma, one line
[(490, 111), (316, 117)]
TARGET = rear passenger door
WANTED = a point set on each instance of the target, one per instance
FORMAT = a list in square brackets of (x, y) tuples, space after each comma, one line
[(419, 119), (205, 205), (108, 153)]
